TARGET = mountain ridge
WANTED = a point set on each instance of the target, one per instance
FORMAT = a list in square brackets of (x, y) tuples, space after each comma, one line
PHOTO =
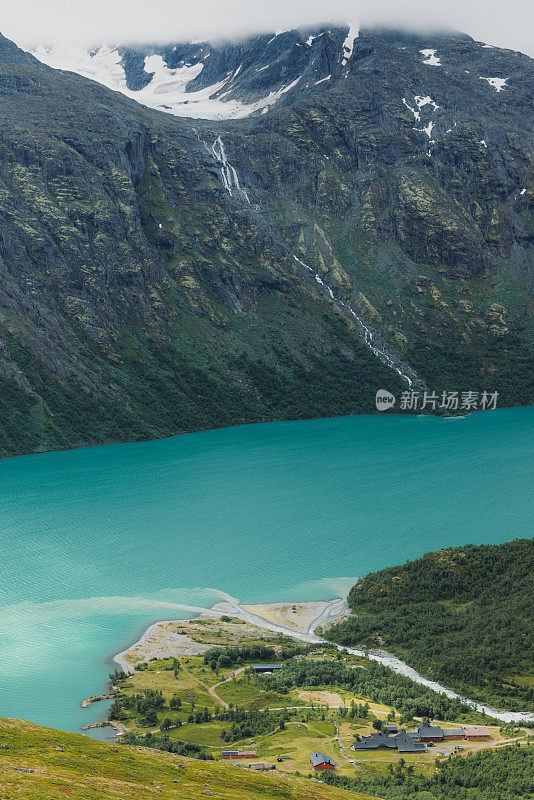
[(161, 274), (192, 76)]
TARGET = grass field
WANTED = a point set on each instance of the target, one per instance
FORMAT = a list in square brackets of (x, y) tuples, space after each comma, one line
[(208, 734), (305, 730), (43, 764), (317, 717), (242, 693)]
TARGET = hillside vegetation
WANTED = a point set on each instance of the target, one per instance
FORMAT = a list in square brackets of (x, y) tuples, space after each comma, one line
[(38, 763), (504, 774), (460, 615)]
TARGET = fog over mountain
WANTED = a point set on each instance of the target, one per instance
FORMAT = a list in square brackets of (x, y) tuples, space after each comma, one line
[(32, 22)]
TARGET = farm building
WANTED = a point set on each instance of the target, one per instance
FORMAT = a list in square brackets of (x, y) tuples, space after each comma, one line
[(407, 744), (430, 733), (390, 729), (412, 741), (453, 733), (402, 742), (476, 732), (320, 761), (238, 754), (374, 742), (265, 668)]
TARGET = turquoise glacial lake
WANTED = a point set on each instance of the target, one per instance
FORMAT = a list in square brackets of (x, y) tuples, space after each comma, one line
[(98, 543)]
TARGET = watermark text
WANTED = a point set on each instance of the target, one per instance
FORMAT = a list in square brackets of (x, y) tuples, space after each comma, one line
[(419, 400)]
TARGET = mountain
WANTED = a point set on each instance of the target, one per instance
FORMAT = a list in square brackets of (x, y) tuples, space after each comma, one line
[(372, 229), (211, 80), (462, 616)]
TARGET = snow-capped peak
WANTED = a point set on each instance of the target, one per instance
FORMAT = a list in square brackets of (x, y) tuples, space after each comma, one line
[(221, 80)]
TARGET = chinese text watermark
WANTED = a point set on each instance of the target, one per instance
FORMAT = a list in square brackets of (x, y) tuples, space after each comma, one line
[(434, 401)]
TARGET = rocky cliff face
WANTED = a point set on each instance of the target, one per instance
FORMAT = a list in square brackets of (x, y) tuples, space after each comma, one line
[(373, 228), (407, 180)]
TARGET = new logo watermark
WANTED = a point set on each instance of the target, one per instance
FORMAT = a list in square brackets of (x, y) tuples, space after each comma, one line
[(434, 401), (384, 400)]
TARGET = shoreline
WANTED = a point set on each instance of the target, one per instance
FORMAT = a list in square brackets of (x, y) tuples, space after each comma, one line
[(328, 610), (371, 413)]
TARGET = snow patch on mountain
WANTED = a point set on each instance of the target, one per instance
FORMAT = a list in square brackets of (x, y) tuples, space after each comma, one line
[(428, 129), (348, 44), (430, 58), (425, 101), (276, 35), (168, 88), (417, 114), (102, 65), (420, 102), (497, 83)]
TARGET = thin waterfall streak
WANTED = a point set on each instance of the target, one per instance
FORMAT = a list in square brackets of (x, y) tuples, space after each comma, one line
[(229, 175), (367, 335), (231, 183)]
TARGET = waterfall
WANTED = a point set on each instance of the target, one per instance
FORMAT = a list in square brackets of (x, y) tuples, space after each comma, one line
[(369, 336), (232, 185), (229, 175)]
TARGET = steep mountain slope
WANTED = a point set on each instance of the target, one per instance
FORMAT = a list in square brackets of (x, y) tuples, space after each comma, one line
[(462, 616), (137, 299), (40, 762), (413, 195), (159, 275)]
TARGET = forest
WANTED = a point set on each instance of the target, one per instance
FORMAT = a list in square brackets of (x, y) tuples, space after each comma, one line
[(376, 682), (234, 655), (501, 774), (462, 616)]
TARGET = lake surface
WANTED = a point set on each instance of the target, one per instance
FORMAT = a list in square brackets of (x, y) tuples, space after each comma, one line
[(100, 542)]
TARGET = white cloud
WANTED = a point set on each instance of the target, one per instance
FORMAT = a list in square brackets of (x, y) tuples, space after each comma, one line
[(31, 22)]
